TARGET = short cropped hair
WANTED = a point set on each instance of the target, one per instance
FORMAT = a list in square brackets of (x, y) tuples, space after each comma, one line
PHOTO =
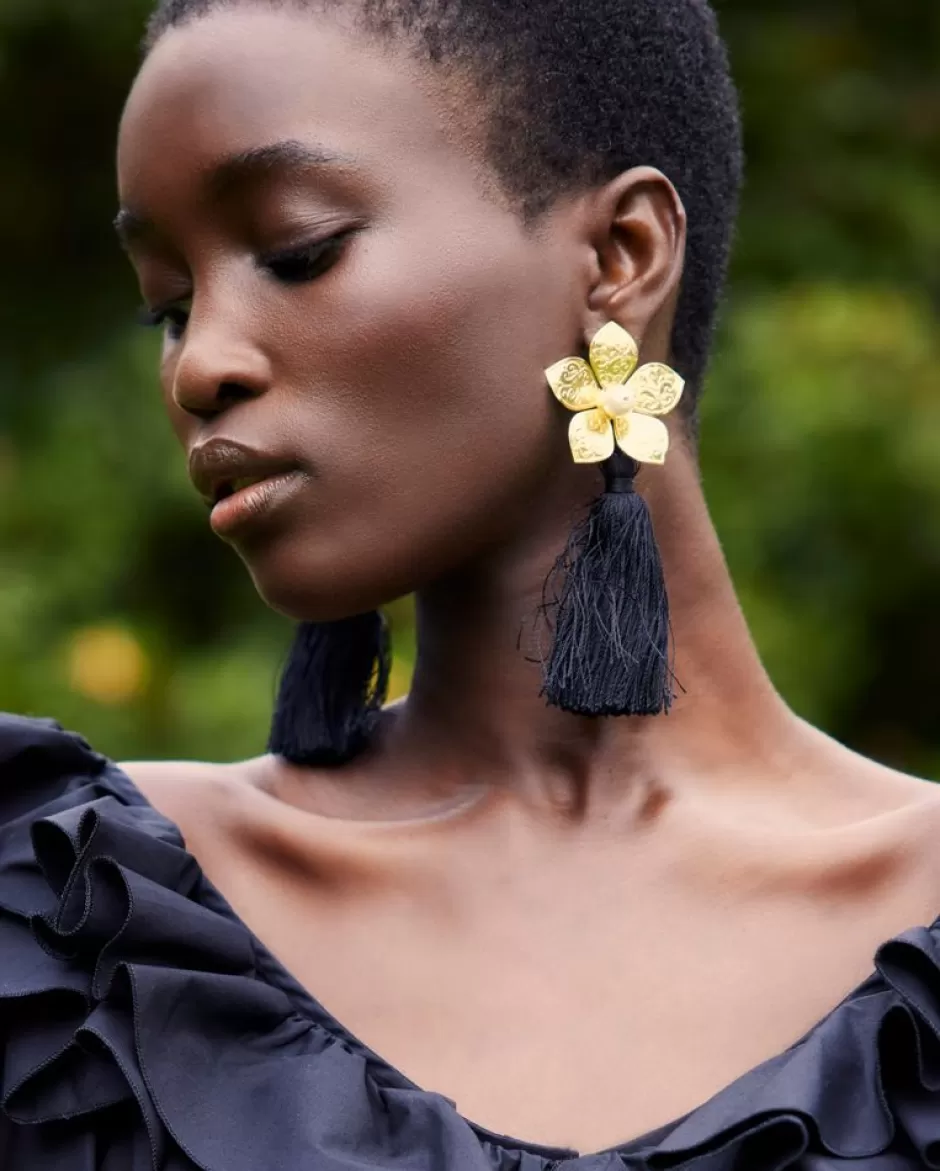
[(576, 92)]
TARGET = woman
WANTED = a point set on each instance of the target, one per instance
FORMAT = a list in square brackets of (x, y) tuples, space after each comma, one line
[(378, 235)]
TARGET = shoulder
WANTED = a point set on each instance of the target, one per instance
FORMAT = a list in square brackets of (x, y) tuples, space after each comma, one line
[(833, 786), (204, 799), (42, 745), (41, 764), (892, 816)]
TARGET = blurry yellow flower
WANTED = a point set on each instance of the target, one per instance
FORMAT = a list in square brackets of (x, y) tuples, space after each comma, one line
[(107, 664), (614, 404)]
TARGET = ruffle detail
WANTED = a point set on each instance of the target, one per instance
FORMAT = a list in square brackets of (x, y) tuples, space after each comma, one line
[(138, 1018), (144, 1028)]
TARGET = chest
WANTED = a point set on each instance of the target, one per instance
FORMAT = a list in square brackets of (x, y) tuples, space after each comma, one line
[(568, 1007)]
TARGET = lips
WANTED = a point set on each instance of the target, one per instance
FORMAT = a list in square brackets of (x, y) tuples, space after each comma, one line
[(222, 467)]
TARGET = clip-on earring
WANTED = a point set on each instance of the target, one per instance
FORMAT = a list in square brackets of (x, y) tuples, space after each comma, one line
[(610, 654)]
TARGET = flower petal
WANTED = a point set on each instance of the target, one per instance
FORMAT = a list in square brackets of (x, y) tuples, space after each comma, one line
[(642, 438), (573, 384), (656, 389), (591, 437), (614, 354)]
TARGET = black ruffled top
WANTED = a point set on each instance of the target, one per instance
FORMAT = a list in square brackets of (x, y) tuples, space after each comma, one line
[(144, 1028)]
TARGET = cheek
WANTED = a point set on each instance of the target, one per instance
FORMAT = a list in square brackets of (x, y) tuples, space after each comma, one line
[(414, 378), (432, 366)]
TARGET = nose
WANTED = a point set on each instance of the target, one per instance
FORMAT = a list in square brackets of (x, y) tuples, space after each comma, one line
[(216, 369)]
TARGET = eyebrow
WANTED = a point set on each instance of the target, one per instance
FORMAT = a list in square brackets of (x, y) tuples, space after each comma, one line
[(239, 169), (290, 154)]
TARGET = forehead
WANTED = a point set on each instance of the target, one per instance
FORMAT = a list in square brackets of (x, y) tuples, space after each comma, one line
[(246, 76)]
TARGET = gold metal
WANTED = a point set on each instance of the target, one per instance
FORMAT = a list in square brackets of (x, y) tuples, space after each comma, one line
[(591, 436), (573, 383), (614, 355), (642, 438), (657, 389), (615, 401)]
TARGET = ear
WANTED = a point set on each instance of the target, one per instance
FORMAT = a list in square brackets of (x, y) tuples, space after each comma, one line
[(638, 234)]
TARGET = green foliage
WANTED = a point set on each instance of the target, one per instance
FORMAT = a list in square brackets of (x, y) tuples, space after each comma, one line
[(820, 459), (120, 614)]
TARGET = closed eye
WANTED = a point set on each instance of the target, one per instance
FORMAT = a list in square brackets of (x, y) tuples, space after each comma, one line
[(174, 317), (292, 266), (307, 262)]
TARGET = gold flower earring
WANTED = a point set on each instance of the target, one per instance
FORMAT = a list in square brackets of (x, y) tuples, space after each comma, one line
[(615, 402), (607, 593)]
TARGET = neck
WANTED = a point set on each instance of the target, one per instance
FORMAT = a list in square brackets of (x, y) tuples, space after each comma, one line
[(475, 715)]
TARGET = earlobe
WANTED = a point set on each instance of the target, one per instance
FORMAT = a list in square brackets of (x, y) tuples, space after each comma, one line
[(639, 236)]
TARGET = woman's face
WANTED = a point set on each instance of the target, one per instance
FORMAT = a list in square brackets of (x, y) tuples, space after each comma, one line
[(348, 296)]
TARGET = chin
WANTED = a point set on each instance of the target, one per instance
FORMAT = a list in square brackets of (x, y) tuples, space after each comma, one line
[(321, 592), (302, 598)]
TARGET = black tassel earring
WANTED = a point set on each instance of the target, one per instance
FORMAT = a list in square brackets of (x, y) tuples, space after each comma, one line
[(332, 689), (610, 654)]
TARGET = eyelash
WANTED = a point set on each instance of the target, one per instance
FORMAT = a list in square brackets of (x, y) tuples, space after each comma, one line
[(174, 319), (293, 267), (298, 265)]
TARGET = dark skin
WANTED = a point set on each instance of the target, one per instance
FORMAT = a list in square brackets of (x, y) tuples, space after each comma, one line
[(576, 929)]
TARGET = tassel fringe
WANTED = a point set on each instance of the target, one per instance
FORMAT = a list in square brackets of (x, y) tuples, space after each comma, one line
[(332, 688), (607, 594)]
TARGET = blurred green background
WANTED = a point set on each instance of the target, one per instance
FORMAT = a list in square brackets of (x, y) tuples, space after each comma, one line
[(120, 614)]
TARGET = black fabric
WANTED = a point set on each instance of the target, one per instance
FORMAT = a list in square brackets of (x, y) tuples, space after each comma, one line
[(144, 1028)]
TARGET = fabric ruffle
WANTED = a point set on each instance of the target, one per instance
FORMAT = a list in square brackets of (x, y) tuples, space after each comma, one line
[(144, 1028)]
